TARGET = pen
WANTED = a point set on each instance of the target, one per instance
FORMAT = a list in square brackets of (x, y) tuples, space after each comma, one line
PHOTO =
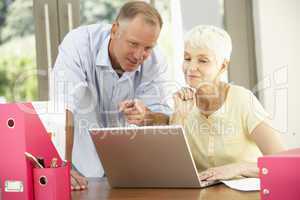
[(33, 160), (53, 163), (64, 163), (41, 161)]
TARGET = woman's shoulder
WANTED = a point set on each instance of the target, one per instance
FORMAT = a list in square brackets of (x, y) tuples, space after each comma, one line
[(240, 97), (240, 92)]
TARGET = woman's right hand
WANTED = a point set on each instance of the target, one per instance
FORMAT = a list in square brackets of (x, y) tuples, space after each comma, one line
[(184, 101), (78, 182)]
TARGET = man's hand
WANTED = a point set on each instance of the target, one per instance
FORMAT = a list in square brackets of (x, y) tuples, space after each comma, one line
[(136, 112), (184, 101), (78, 182)]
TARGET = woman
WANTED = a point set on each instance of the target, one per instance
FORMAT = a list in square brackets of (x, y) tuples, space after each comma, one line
[(225, 124)]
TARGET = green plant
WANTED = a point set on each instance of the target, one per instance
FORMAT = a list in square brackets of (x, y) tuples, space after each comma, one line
[(18, 79)]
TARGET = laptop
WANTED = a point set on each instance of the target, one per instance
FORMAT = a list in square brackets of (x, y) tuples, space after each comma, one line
[(147, 157)]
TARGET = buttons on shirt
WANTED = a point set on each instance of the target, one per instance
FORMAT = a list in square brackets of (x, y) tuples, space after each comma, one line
[(211, 145)]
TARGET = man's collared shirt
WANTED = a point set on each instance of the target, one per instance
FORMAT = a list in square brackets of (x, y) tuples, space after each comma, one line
[(86, 84)]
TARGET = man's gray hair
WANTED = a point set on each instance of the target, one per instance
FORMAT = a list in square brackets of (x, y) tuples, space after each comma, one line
[(212, 38)]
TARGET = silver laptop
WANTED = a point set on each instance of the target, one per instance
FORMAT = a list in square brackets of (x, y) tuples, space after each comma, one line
[(152, 156)]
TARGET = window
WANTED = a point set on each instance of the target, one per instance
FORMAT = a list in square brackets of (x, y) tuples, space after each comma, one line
[(171, 38), (98, 11), (18, 72)]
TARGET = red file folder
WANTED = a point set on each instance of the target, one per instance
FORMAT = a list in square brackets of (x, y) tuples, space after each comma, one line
[(21, 130), (280, 176), (52, 183)]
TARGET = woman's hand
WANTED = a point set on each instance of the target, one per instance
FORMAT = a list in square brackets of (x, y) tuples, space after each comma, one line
[(208, 98), (224, 172), (184, 101)]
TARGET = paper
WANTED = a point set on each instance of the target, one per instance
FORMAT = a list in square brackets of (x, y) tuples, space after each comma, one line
[(246, 184)]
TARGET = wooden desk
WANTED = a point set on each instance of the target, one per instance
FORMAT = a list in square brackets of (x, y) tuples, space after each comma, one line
[(99, 189)]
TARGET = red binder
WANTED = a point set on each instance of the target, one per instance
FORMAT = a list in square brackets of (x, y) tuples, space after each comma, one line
[(280, 175), (21, 130)]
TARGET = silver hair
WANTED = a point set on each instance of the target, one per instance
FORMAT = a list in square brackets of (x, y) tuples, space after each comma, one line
[(212, 38)]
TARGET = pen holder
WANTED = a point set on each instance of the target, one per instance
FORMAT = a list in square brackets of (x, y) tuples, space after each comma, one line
[(52, 183)]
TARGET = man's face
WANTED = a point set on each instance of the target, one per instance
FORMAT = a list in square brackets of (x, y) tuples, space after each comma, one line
[(132, 42)]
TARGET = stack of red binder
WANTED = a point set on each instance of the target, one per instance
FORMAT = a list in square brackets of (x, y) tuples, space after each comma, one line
[(280, 176), (22, 131)]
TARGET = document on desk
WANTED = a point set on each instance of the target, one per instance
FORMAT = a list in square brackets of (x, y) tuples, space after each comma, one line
[(245, 184)]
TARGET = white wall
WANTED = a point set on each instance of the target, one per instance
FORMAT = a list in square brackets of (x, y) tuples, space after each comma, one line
[(201, 12), (277, 30)]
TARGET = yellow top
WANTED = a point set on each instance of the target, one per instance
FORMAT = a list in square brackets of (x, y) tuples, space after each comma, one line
[(223, 137)]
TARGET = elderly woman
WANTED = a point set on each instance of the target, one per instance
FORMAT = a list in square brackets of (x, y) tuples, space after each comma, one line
[(225, 124)]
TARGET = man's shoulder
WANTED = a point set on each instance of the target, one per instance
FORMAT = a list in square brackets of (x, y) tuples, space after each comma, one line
[(87, 35), (155, 62), (157, 56), (90, 29)]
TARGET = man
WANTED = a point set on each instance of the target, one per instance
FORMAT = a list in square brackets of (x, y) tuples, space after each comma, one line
[(109, 75)]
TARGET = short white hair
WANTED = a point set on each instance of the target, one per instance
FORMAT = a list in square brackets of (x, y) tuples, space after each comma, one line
[(212, 38)]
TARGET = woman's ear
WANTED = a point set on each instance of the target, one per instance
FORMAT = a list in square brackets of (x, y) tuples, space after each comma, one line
[(224, 66)]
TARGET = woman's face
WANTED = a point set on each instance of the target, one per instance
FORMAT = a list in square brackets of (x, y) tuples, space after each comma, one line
[(200, 66)]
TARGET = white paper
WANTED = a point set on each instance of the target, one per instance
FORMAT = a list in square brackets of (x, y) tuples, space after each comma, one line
[(245, 184)]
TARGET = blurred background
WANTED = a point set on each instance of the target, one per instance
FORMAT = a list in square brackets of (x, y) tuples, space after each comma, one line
[(265, 57)]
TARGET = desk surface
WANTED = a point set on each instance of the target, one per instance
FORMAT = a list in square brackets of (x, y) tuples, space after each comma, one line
[(99, 189)]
